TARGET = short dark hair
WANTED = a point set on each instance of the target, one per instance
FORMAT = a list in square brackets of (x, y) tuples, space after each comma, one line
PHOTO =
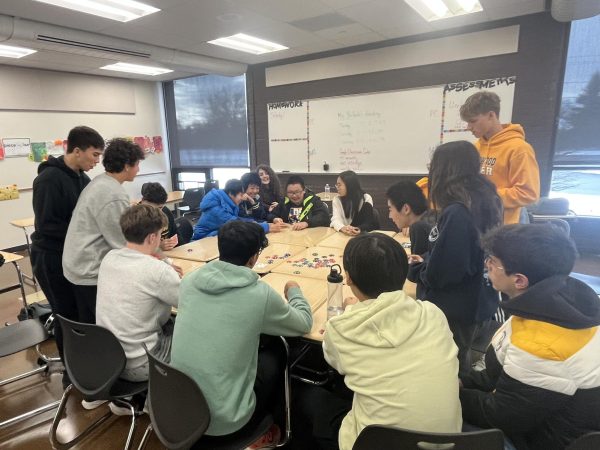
[(295, 179), (139, 221), (376, 263), (407, 193), (83, 137), (250, 178), (538, 251), (480, 102), (233, 187), (120, 152), (154, 192), (239, 241)]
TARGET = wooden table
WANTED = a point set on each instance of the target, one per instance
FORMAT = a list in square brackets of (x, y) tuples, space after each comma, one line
[(203, 250), (14, 259), (327, 196), (314, 290), (274, 255), (187, 265), (305, 238), (174, 197), (304, 265), (25, 225), (340, 240)]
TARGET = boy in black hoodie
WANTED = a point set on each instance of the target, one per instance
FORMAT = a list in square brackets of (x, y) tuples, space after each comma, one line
[(56, 190), (301, 207), (541, 385)]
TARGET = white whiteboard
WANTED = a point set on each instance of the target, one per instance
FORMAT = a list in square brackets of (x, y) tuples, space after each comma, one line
[(386, 132)]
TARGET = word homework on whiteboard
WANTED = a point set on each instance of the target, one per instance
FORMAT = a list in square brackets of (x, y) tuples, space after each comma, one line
[(383, 132)]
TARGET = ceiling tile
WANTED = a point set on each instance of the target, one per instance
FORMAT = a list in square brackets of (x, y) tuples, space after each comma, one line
[(515, 9), (382, 14), (344, 31), (287, 10), (359, 39)]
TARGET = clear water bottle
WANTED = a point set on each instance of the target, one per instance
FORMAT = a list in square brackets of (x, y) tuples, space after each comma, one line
[(335, 294), (327, 191)]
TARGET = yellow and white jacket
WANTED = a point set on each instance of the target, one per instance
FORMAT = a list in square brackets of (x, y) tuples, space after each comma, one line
[(541, 385)]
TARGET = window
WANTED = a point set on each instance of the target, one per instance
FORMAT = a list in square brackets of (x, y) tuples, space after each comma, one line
[(576, 174), (207, 122), (222, 174)]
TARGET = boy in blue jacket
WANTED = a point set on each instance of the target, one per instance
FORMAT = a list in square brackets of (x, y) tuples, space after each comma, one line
[(220, 206)]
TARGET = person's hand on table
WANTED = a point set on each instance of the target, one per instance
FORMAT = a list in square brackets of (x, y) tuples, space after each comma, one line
[(169, 243), (414, 259), (350, 230), (278, 220), (299, 226), (275, 227), (290, 284)]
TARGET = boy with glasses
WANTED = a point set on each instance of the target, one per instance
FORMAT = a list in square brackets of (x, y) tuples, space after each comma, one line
[(301, 207)]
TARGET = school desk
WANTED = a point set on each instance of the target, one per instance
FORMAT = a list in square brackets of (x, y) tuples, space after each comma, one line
[(203, 250), (274, 255), (327, 196), (306, 238), (13, 258), (315, 291), (26, 225), (340, 240), (187, 265), (314, 262)]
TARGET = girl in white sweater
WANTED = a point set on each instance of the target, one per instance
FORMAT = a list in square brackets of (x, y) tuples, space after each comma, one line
[(352, 208)]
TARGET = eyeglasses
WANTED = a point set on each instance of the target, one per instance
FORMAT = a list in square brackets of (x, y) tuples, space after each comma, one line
[(294, 193), (488, 262)]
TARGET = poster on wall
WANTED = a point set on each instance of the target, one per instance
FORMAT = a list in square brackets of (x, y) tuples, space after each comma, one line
[(38, 152), (14, 147), (1, 151)]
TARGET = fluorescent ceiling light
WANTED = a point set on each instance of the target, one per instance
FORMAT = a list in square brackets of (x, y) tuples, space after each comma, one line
[(8, 51), (136, 68), (121, 10), (443, 9), (248, 44)]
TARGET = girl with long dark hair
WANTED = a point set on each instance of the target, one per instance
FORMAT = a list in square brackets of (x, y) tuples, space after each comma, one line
[(352, 208), (452, 274), (270, 188)]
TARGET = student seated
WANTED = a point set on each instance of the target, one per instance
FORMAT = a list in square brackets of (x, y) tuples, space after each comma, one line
[(223, 309), (301, 207), (408, 209), (220, 206), (541, 385), (155, 195), (136, 291), (251, 206), (352, 208), (270, 188), (396, 354)]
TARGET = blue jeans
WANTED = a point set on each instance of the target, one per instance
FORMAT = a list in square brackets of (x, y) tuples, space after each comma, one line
[(508, 445)]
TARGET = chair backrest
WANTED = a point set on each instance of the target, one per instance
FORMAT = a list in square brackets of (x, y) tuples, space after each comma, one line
[(209, 185), (378, 437), (558, 223), (178, 409), (20, 336), (185, 230), (193, 197), (550, 207), (93, 357), (590, 441)]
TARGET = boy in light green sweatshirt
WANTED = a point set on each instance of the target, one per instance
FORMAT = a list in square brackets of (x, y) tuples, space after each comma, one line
[(223, 310)]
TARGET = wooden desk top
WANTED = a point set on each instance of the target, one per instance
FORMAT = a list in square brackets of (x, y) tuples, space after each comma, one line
[(340, 240), (11, 257), (174, 196), (203, 250), (274, 255), (23, 223), (327, 196), (314, 290), (186, 265), (314, 262), (305, 238)]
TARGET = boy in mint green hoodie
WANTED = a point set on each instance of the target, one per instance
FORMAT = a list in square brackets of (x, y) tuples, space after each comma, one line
[(223, 310)]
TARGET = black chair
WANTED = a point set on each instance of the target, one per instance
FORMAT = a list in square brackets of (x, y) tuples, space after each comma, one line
[(179, 413), (378, 437), (15, 338), (185, 230), (191, 202), (590, 441), (94, 359)]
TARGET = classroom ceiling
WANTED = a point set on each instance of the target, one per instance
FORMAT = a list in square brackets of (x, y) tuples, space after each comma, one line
[(305, 26)]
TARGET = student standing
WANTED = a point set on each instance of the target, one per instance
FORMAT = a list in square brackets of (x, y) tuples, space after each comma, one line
[(451, 273), (506, 158), (352, 208), (55, 192), (94, 229)]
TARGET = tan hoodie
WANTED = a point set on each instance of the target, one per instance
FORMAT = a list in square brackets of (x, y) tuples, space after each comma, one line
[(509, 162), (399, 359)]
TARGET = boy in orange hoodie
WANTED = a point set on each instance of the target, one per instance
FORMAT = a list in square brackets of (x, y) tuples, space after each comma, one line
[(506, 158)]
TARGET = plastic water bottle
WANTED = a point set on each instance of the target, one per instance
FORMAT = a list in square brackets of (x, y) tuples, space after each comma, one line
[(327, 190), (335, 295)]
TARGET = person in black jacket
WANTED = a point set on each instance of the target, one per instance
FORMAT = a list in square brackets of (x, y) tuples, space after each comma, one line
[(301, 207), (252, 206), (56, 190), (451, 274), (541, 384), (154, 193), (408, 209)]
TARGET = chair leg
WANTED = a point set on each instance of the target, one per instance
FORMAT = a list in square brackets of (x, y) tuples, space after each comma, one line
[(29, 414), (56, 444), (287, 435), (132, 426), (145, 437)]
